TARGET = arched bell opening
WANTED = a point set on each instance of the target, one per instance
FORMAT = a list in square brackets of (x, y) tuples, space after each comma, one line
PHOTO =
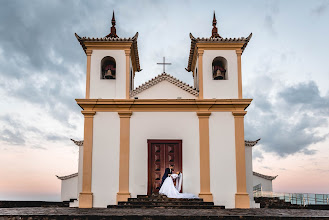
[(219, 68), (108, 68)]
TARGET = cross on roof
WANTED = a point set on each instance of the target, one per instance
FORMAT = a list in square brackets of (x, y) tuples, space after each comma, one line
[(164, 64)]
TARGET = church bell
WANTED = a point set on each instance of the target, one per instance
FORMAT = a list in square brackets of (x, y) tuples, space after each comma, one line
[(218, 74), (109, 74)]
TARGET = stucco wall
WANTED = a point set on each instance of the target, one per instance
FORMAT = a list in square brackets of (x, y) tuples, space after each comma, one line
[(220, 89), (108, 88), (249, 174), (69, 189), (222, 158), (105, 158), (164, 90), (266, 184), (80, 171), (164, 125)]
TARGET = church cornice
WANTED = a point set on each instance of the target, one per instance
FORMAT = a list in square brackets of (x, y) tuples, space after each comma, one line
[(164, 105)]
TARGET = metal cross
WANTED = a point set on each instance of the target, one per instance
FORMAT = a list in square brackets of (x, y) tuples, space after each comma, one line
[(164, 64)]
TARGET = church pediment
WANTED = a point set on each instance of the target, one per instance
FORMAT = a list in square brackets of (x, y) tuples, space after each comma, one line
[(165, 86)]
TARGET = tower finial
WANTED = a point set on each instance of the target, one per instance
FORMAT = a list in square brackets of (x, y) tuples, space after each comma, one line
[(113, 29), (214, 28), (113, 19)]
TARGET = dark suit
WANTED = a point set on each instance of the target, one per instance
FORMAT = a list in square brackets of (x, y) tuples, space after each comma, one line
[(165, 175)]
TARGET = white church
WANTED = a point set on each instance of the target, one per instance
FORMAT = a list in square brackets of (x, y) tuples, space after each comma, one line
[(132, 134)]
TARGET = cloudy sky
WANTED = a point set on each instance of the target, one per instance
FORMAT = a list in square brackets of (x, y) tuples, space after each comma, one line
[(42, 71)]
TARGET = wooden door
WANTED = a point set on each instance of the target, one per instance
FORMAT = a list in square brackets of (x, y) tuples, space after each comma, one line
[(162, 154)]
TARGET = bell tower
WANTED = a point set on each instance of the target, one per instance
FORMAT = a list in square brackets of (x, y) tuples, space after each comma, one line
[(111, 65), (216, 65)]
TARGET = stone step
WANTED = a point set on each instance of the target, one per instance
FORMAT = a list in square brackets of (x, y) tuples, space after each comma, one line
[(160, 198), (166, 203), (166, 207)]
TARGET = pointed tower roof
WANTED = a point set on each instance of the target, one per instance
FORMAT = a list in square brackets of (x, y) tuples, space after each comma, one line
[(113, 29), (214, 28), (110, 41), (214, 41)]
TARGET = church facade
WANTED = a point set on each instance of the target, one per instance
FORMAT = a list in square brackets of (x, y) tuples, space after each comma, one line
[(132, 134)]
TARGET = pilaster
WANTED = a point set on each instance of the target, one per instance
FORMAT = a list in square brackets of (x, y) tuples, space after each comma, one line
[(127, 53), (204, 156), (200, 72), (88, 52), (241, 196), (124, 193), (86, 196), (238, 53)]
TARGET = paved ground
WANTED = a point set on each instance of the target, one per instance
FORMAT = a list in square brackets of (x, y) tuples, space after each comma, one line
[(97, 213)]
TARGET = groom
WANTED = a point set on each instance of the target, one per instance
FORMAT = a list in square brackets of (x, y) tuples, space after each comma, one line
[(167, 173)]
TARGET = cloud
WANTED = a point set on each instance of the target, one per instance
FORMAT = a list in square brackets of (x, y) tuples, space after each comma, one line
[(272, 10), (12, 132), (16, 132), (288, 118), (12, 137), (320, 9), (306, 95)]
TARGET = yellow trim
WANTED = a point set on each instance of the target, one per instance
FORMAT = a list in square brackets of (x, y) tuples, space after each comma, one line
[(238, 53), (164, 105), (200, 72), (123, 193), (88, 52), (127, 53), (219, 46), (105, 45), (241, 196), (204, 157), (86, 196)]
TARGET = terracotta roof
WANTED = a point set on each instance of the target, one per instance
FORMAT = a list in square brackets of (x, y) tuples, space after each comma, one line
[(166, 77), (264, 176), (78, 143), (194, 41), (67, 177), (251, 143), (133, 40)]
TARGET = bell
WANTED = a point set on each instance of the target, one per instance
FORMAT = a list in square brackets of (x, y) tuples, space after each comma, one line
[(219, 75), (109, 74)]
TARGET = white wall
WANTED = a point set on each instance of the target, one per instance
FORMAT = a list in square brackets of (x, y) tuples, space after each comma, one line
[(220, 89), (105, 158), (266, 184), (164, 125), (108, 88), (164, 90), (80, 171), (69, 189), (222, 158), (249, 174)]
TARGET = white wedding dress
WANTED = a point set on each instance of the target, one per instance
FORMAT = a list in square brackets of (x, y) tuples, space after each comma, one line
[(171, 191)]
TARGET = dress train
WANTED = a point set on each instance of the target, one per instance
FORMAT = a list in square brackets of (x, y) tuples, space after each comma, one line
[(171, 191)]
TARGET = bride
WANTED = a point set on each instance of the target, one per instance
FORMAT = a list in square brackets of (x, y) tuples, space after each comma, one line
[(171, 191)]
